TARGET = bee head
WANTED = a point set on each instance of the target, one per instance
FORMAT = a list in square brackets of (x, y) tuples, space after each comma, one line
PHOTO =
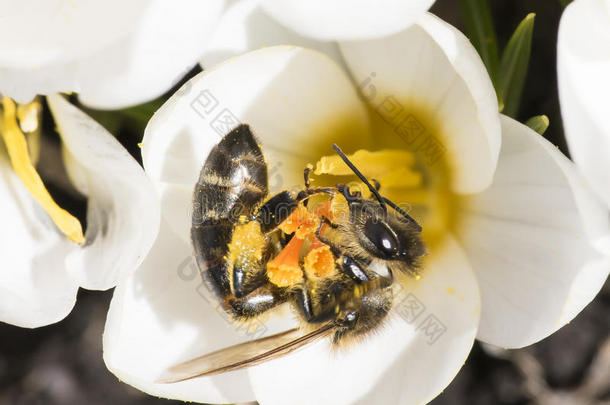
[(387, 235), (390, 235)]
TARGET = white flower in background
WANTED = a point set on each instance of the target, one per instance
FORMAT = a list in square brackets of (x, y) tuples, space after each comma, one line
[(250, 24), (509, 225), (583, 67), (113, 53), (41, 270)]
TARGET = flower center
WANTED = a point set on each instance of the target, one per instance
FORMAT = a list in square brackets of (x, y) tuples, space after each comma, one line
[(17, 147), (411, 165)]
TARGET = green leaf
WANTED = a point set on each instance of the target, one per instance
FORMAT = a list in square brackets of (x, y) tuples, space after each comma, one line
[(143, 112), (564, 3), (538, 123), (108, 119), (482, 34), (134, 118), (513, 65)]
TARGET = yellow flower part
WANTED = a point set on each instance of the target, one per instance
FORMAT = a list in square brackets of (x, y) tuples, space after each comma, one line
[(319, 261), (284, 269), (27, 114), (390, 167), (17, 148), (375, 163)]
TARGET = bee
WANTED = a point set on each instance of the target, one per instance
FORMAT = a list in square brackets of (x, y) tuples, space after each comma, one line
[(335, 263)]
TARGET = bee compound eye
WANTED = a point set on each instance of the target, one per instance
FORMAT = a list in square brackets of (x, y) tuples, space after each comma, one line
[(383, 239)]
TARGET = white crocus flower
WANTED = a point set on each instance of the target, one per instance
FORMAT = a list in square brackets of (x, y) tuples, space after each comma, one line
[(113, 53), (250, 24), (512, 232), (583, 65), (41, 270)]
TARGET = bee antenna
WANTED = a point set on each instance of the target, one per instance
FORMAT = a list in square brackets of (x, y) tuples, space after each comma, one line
[(379, 198), (403, 213)]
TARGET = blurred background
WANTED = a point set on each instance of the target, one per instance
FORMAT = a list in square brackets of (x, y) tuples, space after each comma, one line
[(62, 363)]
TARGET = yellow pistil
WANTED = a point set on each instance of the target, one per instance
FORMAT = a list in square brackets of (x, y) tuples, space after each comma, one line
[(16, 145)]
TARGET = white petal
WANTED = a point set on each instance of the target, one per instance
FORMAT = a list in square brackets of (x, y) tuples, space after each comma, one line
[(346, 19), (434, 74), (160, 43), (530, 237), (168, 43), (35, 288), (297, 101), (35, 33), (123, 209), (583, 66), (163, 315), (400, 364), (245, 26)]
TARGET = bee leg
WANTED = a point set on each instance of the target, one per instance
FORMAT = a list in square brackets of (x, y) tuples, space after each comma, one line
[(244, 280), (303, 300), (326, 221), (258, 301), (305, 304), (308, 192), (376, 184), (306, 173)]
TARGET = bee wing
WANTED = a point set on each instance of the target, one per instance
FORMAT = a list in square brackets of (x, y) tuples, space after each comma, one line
[(243, 355)]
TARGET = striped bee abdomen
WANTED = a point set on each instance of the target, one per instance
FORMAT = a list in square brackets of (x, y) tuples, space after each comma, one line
[(232, 186)]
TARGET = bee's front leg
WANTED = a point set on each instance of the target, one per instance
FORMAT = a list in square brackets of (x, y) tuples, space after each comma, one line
[(318, 233)]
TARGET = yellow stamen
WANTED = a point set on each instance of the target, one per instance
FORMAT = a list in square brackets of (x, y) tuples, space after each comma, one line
[(284, 269), (291, 224), (372, 164), (319, 260), (392, 168), (400, 177), (301, 221), (20, 160), (27, 114), (324, 210), (339, 207)]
